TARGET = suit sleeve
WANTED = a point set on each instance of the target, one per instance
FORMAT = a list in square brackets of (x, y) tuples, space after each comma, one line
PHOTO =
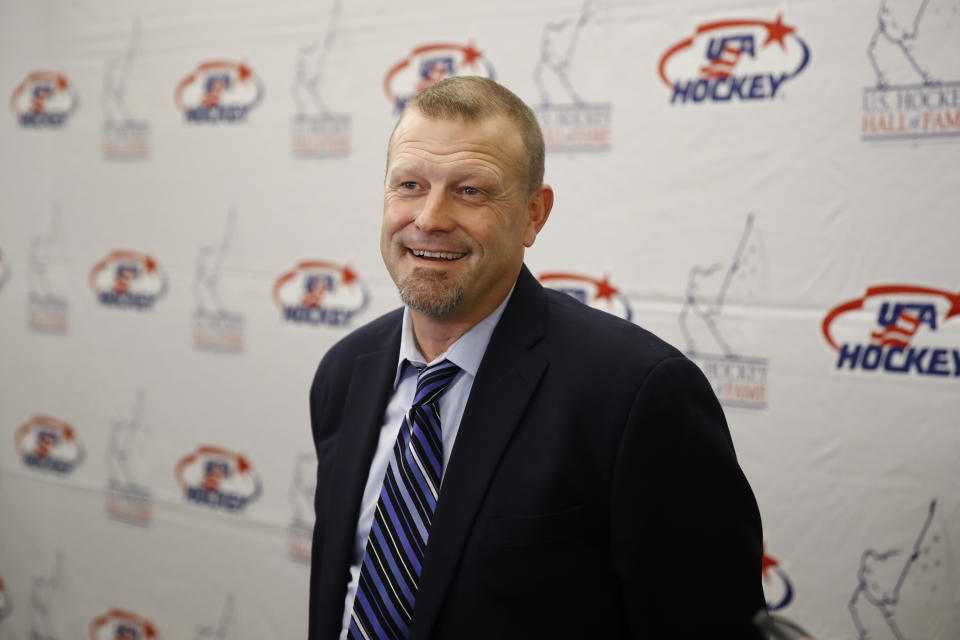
[(323, 440), (686, 532)]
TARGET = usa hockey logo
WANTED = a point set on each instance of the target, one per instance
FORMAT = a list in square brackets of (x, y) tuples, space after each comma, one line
[(218, 478), (118, 624), (320, 293), (734, 60), (776, 583), (49, 444), (128, 280), (431, 63), (599, 294), (45, 99), (219, 91), (897, 329)]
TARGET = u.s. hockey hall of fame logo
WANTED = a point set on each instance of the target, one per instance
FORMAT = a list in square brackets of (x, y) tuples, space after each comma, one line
[(46, 311), (215, 328), (739, 380), (568, 122), (128, 500), (914, 52), (221, 630), (4, 270), (302, 488), (316, 131), (904, 591), (124, 137), (43, 594)]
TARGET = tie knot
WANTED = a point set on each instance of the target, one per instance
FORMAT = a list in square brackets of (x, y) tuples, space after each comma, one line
[(433, 381)]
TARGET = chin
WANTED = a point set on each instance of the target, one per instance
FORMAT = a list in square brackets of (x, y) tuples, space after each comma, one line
[(430, 296)]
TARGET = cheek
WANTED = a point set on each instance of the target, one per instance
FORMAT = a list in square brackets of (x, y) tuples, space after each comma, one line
[(389, 252), (394, 219), (388, 239), (504, 234)]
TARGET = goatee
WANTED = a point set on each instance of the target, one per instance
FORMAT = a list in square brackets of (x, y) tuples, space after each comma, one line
[(430, 293)]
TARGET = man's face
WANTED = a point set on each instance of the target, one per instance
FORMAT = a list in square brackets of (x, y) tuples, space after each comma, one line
[(456, 214)]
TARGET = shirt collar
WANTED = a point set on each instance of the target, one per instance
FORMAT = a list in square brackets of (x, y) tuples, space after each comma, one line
[(466, 352)]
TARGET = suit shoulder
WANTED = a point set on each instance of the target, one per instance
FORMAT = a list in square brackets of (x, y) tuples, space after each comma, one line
[(373, 336), (589, 332)]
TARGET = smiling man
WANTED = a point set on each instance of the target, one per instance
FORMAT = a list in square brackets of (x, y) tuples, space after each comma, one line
[(497, 460)]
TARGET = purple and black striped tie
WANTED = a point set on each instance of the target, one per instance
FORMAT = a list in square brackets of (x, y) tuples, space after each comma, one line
[(390, 573)]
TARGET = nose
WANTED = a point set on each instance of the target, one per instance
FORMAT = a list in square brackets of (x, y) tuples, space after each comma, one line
[(435, 215)]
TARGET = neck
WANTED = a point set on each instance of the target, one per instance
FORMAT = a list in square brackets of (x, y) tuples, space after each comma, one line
[(435, 335)]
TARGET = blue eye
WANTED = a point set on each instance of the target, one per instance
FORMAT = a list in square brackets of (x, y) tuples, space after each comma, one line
[(471, 191), (408, 185)]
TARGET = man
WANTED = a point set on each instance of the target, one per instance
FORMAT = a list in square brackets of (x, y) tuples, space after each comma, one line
[(589, 484)]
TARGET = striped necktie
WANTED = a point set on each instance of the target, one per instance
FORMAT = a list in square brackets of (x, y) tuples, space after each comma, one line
[(390, 573)]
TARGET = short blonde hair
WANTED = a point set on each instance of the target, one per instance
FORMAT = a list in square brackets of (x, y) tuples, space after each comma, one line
[(472, 99)]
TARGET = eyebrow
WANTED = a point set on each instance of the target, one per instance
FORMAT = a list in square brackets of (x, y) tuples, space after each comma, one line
[(459, 175)]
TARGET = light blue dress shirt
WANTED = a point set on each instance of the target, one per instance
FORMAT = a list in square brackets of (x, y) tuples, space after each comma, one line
[(466, 353)]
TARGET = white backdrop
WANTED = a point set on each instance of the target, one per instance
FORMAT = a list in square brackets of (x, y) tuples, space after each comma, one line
[(191, 197)]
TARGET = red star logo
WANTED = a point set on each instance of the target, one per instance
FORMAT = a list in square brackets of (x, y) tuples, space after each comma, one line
[(954, 307), (470, 54), (768, 563), (606, 290), (777, 31), (348, 275)]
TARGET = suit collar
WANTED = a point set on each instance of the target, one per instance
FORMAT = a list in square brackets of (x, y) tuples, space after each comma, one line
[(466, 352), (363, 409), (506, 380)]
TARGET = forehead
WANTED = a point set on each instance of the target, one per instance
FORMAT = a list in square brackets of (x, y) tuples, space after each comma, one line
[(494, 140)]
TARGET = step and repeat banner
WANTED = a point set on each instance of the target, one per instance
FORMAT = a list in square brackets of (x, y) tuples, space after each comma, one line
[(191, 201)]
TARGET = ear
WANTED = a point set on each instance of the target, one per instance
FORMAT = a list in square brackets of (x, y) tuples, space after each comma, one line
[(538, 210)]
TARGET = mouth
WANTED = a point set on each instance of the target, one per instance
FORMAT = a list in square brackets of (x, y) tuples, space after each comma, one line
[(438, 256)]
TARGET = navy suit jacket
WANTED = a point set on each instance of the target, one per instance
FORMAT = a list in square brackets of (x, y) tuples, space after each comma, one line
[(592, 492)]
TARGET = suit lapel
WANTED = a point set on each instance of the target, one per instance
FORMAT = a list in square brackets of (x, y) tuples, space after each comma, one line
[(506, 380), (371, 384)]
